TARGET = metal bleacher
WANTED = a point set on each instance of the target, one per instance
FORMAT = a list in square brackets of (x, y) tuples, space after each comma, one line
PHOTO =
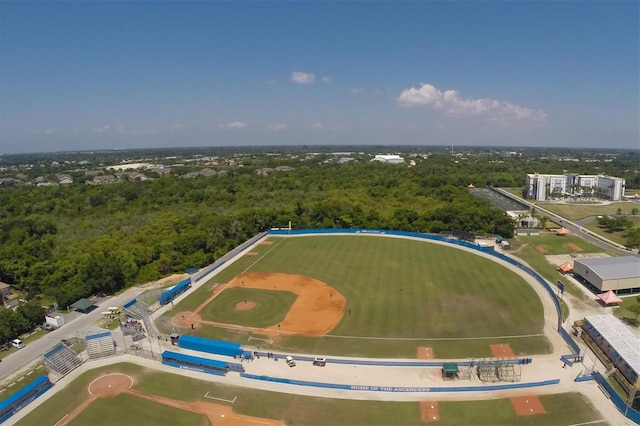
[(100, 345), (137, 310), (62, 359)]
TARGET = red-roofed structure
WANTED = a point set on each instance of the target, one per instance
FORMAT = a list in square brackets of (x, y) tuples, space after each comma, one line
[(609, 298), (566, 267)]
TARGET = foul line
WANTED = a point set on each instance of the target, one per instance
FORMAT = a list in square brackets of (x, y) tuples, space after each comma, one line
[(589, 423), (257, 338), (206, 395), (262, 257)]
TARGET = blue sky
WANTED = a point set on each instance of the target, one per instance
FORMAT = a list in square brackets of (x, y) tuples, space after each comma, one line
[(99, 75)]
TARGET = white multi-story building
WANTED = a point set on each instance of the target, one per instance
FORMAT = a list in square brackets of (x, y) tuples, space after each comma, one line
[(542, 187)]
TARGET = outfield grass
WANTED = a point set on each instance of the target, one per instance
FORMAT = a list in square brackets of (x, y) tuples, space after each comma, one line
[(396, 289), (566, 408)]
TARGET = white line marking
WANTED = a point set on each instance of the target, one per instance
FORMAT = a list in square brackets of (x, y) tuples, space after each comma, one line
[(59, 421), (206, 395)]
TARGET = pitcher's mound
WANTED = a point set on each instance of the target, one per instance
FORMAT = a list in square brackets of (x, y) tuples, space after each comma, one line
[(245, 306)]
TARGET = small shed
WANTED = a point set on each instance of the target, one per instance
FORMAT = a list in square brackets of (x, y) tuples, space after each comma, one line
[(174, 338), (450, 370), (83, 305)]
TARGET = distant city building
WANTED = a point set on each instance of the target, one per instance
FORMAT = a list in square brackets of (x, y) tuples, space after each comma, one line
[(393, 159), (542, 187)]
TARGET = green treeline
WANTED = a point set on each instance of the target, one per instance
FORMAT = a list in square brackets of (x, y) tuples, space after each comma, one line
[(76, 240)]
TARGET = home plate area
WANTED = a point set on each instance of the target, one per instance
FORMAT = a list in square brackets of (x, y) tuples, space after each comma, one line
[(527, 405), (429, 411)]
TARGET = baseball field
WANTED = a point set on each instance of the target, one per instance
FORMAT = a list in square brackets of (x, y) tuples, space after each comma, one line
[(366, 296), (129, 394)]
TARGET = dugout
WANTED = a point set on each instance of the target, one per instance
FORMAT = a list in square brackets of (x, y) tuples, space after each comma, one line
[(450, 370), (175, 291), (14, 403), (216, 347), (196, 363)]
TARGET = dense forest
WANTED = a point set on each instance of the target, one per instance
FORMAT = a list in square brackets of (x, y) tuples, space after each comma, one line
[(71, 241)]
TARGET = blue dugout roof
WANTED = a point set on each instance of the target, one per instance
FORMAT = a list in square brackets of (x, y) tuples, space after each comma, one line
[(209, 345), (98, 336), (12, 399), (174, 356)]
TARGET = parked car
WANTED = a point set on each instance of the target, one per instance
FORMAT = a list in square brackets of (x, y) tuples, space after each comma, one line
[(46, 326), (320, 362), (290, 362), (17, 343)]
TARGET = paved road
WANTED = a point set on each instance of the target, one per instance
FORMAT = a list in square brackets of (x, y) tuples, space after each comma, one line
[(576, 227), (76, 325)]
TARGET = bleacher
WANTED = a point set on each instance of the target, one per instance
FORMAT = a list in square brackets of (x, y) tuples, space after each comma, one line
[(136, 309), (99, 345), (62, 359)]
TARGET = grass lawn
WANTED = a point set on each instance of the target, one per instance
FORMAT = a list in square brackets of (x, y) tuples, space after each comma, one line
[(626, 315), (565, 408), (556, 244), (523, 248), (617, 236), (578, 211), (446, 293), (271, 307)]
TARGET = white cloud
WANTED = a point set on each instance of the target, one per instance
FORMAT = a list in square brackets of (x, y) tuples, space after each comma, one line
[(102, 129), (357, 90), (303, 77), (277, 127), (327, 80), (450, 104), (316, 126), (233, 125)]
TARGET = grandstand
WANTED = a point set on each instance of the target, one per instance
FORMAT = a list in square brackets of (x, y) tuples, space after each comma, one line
[(62, 360), (100, 345), (137, 309)]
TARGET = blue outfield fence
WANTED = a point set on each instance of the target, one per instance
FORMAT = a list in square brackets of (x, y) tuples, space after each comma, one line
[(617, 400), (439, 238), (402, 389)]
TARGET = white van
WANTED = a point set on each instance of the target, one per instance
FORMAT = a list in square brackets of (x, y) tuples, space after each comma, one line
[(17, 343)]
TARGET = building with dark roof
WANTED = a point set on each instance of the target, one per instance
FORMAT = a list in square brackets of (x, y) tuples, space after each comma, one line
[(620, 274)]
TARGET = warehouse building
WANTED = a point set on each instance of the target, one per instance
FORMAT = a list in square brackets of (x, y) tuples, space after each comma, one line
[(620, 274)]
